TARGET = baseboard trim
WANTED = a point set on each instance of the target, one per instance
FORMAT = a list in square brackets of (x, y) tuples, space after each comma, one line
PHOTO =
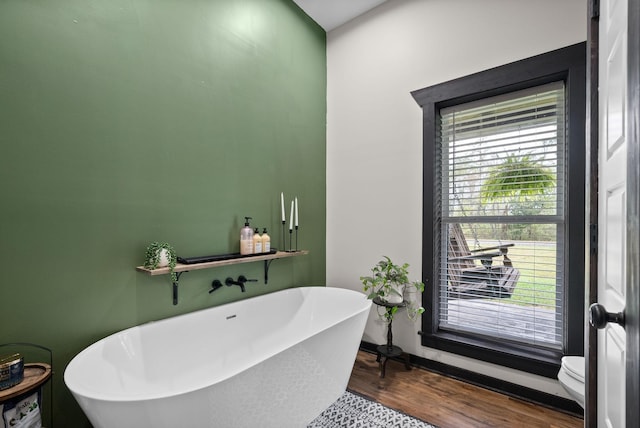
[(498, 385)]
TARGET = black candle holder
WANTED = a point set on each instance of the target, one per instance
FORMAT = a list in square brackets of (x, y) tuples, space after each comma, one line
[(284, 245), (290, 250)]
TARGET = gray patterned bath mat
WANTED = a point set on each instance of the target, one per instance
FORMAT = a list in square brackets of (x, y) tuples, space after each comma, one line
[(354, 411)]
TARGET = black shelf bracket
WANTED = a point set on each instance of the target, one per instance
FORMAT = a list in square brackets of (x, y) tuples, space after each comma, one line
[(267, 265), (175, 286)]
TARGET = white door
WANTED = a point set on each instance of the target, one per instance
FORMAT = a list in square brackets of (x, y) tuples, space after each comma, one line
[(612, 210)]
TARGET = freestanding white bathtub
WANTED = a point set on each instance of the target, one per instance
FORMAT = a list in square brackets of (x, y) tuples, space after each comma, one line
[(276, 360)]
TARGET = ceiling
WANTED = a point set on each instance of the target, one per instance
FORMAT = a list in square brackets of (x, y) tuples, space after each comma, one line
[(330, 14)]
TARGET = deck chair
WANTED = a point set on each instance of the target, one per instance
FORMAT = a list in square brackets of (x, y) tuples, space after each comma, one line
[(473, 273)]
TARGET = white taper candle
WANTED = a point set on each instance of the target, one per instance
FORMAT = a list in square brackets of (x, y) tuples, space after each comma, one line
[(291, 217), (296, 212), (282, 206)]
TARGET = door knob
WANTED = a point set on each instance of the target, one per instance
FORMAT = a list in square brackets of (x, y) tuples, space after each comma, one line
[(599, 317)]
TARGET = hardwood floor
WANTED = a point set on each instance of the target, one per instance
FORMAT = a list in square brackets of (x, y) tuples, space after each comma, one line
[(446, 402)]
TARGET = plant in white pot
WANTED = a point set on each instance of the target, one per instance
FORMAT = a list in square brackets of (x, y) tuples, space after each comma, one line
[(160, 255), (389, 284)]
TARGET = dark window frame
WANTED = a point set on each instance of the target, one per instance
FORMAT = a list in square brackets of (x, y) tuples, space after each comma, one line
[(569, 65)]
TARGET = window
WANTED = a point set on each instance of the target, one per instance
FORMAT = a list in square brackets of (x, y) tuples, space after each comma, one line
[(503, 247), (502, 196)]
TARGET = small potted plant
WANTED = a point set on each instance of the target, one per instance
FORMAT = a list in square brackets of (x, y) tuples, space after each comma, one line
[(389, 283), (161, 255)]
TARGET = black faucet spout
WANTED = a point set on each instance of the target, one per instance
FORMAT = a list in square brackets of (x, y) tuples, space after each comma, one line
[(244, 279)]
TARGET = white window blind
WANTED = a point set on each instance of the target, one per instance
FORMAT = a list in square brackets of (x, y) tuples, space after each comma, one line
[(502, 194)]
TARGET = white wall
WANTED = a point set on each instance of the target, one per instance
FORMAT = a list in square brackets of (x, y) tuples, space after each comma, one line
[(374, 128)]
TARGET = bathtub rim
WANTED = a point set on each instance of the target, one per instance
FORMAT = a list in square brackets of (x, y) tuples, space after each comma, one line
[(110, 397)]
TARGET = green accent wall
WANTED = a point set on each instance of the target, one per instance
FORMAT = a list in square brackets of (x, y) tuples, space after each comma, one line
[(123, 122)]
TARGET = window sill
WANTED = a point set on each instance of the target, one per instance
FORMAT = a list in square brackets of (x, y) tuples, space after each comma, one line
[(542, 362)]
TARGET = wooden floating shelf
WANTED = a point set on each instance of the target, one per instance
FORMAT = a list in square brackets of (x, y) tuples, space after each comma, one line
[(182, 268), (207, 265)]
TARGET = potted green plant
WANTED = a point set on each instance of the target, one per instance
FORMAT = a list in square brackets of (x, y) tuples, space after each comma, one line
[(389, 284), (161, 254)]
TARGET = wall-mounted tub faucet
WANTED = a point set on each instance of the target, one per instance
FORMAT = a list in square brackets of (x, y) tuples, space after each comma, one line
[(240, 282), (215, 284)]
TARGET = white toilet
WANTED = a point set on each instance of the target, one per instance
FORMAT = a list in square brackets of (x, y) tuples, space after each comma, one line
[(571, 377)]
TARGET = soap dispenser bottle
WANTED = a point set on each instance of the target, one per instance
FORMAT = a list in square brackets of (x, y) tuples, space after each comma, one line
[(266, 241), (257, 242), (246, 238)]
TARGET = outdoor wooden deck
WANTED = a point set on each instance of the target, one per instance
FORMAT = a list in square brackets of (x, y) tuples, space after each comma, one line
[(536, 324)]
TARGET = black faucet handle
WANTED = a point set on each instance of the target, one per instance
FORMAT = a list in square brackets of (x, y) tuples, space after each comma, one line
[(244, 279)]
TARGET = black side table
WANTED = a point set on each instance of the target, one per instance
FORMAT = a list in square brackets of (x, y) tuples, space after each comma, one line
[(389, 350)]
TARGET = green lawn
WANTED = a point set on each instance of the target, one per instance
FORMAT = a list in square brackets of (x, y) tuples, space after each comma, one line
[(536, 262)]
